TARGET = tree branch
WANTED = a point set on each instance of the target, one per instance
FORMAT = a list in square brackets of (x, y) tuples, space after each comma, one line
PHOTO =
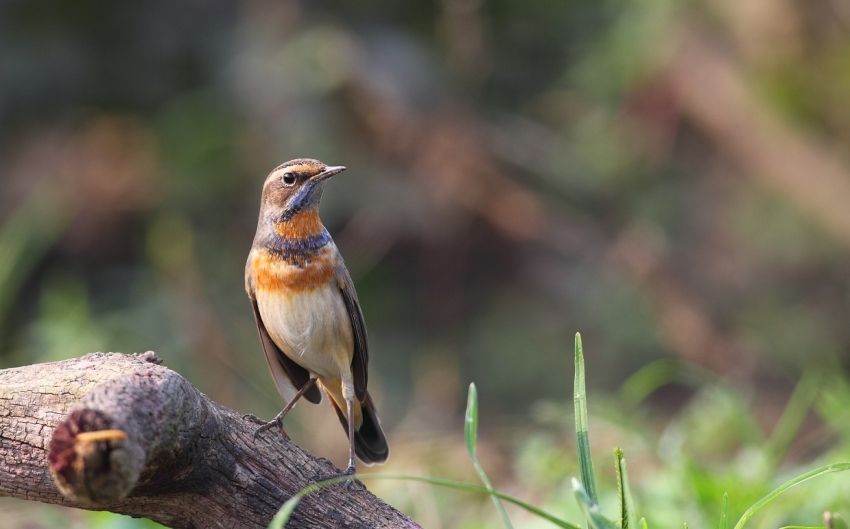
[(121, 433)]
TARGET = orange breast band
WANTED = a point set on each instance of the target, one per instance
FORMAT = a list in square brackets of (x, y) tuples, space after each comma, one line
[(274, 275)]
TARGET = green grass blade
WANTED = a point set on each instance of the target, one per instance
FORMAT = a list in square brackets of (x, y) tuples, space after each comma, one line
[(803, 527), (25, 237), (595, 519), (801, 400), (470, 423), (642, 523), (285, 511), (627, 508), (470, 429), (724, 511), (757, 506), (469, 487), (648, 379), (582, 437), (287, 508)]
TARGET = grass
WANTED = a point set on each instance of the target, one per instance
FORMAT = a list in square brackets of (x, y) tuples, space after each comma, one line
[(582, 436), (774, 494), (624, 493), (471, 435), (585, 492)]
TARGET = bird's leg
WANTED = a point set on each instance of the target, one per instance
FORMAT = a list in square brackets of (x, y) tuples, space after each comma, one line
[(278, 419), (348, 473), (350, 418)]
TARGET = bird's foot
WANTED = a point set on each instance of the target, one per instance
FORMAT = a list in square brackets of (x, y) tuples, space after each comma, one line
[(346, 477), (253, 418), (276, 422)]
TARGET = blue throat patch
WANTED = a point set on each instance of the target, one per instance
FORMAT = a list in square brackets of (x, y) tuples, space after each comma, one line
[(297, 251), (298, 202)]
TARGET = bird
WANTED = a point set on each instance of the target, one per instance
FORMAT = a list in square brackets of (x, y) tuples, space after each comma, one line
[(308, 316)]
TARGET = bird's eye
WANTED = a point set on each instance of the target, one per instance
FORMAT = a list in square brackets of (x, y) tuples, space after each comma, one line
[(288, 178)]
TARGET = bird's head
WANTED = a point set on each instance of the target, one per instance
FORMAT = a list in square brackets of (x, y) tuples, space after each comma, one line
[(295, 186)]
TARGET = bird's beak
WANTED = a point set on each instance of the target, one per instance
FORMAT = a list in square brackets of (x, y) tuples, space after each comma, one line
[(328, 172)]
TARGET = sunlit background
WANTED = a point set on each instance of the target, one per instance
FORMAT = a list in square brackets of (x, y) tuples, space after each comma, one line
[(670, 178)]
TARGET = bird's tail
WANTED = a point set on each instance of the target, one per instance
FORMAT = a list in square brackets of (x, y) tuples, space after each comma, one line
[(370, 444)]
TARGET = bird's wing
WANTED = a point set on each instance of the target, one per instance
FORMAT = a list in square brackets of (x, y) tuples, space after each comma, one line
[(288, 376), (360, 359)]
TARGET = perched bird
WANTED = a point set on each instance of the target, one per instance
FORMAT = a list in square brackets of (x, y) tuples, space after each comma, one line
[(308, 316)]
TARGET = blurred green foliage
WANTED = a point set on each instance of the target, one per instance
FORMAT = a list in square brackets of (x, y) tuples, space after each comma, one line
[(669, 177)]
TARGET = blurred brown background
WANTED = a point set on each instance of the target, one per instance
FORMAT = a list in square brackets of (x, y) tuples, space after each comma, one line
[(670, 178)]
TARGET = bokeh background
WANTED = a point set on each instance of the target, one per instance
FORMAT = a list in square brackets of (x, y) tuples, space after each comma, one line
[(669, 177)]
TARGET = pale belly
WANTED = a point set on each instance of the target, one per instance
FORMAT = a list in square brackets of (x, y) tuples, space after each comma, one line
[(311, 327)]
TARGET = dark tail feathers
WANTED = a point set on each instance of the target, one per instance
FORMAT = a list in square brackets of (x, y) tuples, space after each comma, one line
[(370, 445)]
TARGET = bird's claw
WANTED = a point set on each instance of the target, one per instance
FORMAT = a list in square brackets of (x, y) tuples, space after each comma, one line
[(346, 477), (269, 425), (253, 418), (351, 483)]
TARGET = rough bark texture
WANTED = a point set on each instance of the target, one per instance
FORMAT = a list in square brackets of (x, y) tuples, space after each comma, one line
[(121, 433)]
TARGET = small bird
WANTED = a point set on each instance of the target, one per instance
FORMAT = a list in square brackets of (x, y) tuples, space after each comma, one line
[(308, 316)]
